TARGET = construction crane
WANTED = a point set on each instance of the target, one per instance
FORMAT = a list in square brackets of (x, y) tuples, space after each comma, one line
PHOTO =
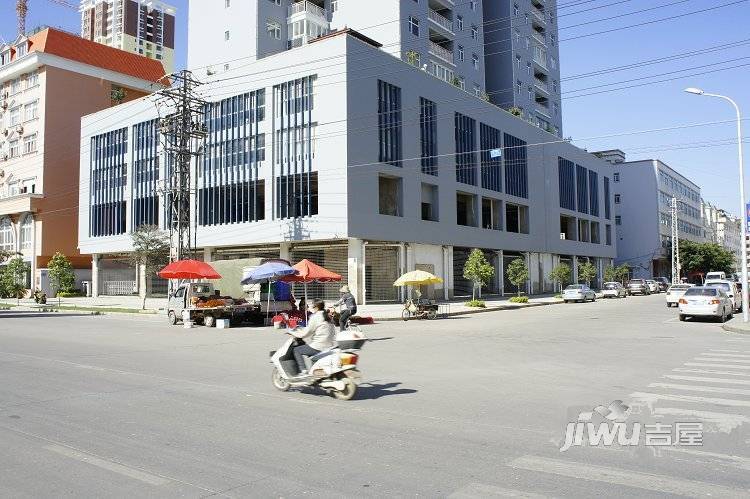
[(65, 4), (21, 9)]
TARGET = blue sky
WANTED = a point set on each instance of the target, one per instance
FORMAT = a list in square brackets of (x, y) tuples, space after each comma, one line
[(656, 106)]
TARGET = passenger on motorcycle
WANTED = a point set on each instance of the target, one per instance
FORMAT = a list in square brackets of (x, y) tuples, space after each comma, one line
[(319, 335)]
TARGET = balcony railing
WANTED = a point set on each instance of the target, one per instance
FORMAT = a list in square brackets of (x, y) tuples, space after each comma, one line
[(541, 84), (538, 14), (538, 37), (306, 6), (440, 20), (540, 56), (442, 52), (544, 110)]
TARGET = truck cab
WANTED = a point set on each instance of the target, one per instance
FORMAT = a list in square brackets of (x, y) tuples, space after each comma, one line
[(185, 297)]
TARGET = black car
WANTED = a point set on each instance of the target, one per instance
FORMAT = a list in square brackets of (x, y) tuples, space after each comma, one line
[(663, 283)]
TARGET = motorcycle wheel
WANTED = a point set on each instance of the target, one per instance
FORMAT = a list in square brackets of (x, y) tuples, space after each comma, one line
[(278, 381), (405, 315), (350, 388), (432, 314)]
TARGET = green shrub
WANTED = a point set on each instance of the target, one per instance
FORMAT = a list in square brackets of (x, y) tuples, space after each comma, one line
[(476, 304), (559, 297), (519, 299), (74, 293)]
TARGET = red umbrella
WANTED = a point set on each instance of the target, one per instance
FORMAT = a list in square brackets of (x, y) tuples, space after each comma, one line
[(307, 271), (188, 269)]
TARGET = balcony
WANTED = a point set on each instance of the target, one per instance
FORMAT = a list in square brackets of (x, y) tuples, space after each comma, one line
[(543, 110), (539, 37), (440, 20), (541, 85), (538, 15), (20, 203), (442, 53), (540, 56), (307, 7)]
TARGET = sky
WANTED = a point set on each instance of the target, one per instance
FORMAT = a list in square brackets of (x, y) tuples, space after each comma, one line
[(707, 154)]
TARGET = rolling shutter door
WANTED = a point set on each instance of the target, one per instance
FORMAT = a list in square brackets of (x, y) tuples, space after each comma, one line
[(381, 269)]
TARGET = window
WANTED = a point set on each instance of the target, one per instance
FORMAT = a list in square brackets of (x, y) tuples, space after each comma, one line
[(334, 5), (552, 63), (6, 235), (226, 36), (297, 195), (389, 123), (528, 43), (617, 199), (515, 10), (274, 29), (32, 79), (566, 174), (21, 50), (466, 211), (26, 225), (430, 203), (460, 53), (516, 218), (474, 33), (414, 26), (616, 177), (594, 193), (518, 62), (607, 209), (608, 234), (29, 144), (618, 220), (531, 93), (428, 136), (226, 3), (518, 87), (466, 158), (567, 228), (473, 4), (518, 36), (14, 149), (583, 230), (475, 61), (15, 116), (30, 110), (528, 68), (389, 196), (459, 23), (582, 189), (595, 236), (492, 214), (477, 90), (516, 174), (490, 147)]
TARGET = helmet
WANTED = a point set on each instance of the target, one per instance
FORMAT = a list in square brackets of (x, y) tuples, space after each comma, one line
[(344, 289)]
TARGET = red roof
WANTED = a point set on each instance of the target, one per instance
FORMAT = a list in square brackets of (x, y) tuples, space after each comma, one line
[(75, 48)]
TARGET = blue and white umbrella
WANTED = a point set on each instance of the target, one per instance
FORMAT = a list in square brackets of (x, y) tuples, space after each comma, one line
[(269, 272)]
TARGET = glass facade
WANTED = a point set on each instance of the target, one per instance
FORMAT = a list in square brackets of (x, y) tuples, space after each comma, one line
[(492, 175), (428, 136), (566, 174), (107, 212), (466, 145), (516, 172), (389, 123)]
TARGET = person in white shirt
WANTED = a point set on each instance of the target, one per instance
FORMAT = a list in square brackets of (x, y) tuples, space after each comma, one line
[(319, 335)]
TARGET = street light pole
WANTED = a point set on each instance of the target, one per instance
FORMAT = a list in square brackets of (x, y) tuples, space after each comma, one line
[(743, 221)]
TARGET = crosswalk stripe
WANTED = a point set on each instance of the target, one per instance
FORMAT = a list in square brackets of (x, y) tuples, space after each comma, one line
[(654, 397), (702, 364), (709, 380), (713, 354), (725, 422), (737, 340), (709, 371), (628, 478), (723, 350), (714, 359), (738, 461), (695, 388)]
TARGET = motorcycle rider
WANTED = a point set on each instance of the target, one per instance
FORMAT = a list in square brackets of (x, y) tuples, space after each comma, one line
[(319, 335), (348, 307)]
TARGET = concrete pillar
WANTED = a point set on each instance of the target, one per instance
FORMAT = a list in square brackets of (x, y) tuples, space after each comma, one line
[(447, 271), (95, 275), (575, 269), (208, 254), (500, 275), (34, 284), (143, 284), (285, 251), (355, 269)]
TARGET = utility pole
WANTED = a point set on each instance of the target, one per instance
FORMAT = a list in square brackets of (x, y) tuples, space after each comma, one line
[(675, 244), (184, 132)]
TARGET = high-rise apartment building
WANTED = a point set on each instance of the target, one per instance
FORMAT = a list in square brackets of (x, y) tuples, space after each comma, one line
[(504, 51), (144, 27)]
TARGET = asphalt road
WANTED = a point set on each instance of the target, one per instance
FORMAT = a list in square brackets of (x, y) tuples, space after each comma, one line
[(126, 406)]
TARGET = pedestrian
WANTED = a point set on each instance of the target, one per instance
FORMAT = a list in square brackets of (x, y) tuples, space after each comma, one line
[(348, 307)]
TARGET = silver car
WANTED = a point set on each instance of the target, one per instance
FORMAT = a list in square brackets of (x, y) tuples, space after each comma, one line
[(614, 290), (675, 292), (578, 292), (653, 286), (703, 301)]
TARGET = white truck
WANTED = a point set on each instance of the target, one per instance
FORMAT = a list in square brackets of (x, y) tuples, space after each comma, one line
[(201, 303)]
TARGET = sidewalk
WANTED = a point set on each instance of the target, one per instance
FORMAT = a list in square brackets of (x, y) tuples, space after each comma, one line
[(737, 326), (379, 312)]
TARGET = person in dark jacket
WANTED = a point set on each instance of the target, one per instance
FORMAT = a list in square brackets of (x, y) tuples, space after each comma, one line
[(348, 307)]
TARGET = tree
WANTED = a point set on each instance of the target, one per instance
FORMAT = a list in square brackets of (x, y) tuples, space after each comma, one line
[(5, 255), (14, 278), (623, 273), (412, 57), (561, 275), (705, 257), (610, 274), (61, 274), (478, 270), (150, 251), (587, 272), (518, 273)]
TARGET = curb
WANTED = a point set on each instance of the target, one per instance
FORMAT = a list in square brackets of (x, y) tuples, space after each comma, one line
[(76, 310), (735, 329), (472, 312)]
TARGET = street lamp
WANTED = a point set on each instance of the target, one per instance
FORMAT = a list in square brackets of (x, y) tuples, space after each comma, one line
[(743, 222)]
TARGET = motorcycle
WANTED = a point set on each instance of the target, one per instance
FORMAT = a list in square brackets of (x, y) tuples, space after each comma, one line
[(333, 370)]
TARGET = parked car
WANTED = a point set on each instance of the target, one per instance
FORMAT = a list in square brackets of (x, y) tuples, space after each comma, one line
[(638, 286), (578, 292), (715, 276), (675, 292), (652, 286), (663, 283), (614, 290), (706, 301), (732, 291)]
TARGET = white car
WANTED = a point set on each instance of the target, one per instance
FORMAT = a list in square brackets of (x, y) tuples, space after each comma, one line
[(716, 276), (706, 301), (578, 292), (731, 289), (614, 290), (675, 292), (653, 286)]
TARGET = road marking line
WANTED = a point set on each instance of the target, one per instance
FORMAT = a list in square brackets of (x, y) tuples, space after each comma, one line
[(709, 371), (738, 461), (709, 380), (713, 354), (481, 490), (725, 422), (738, 341), (722, 350), (716, 359), (724, 366), (627, 478), (695, 388), (654, 397), (108, 465)]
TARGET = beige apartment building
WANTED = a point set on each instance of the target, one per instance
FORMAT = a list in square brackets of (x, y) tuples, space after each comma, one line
[(48, 81)]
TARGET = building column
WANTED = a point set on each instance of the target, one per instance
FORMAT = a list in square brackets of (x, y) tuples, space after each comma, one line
[(208, 254), (33, 256), (285, 251), (499, 274), (447, 271), (95, 275), (143, 283), (356, 269), (575, 269)]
